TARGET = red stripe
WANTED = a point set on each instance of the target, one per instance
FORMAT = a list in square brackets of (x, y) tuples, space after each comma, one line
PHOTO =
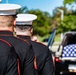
[(6, 35), (18, 66), (35, 64), (23, 40), (6, 42)]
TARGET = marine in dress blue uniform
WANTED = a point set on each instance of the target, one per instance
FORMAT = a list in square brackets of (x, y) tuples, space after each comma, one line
[(22, 48), (44, 63)]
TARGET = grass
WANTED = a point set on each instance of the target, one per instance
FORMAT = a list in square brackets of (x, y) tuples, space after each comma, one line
[(56, 39)]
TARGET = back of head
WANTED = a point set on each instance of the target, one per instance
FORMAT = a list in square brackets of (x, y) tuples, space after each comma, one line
[(8, 14), (24, 23), (6, 21)]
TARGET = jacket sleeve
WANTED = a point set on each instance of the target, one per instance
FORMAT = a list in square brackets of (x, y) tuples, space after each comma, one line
[(12, 64), (48, 68), (29, 62)]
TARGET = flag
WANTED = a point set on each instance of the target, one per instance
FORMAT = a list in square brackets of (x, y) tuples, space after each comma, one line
[(69, 51)]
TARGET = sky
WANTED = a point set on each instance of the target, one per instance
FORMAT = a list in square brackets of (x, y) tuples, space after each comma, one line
[(43, 5)]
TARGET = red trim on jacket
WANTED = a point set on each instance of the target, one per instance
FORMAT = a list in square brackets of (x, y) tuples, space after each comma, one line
[(6, 42), (24, 40), (35, 63)]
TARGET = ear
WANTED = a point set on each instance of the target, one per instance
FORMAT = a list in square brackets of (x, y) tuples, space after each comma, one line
[(31, 30), (14, 22), (14, 29)]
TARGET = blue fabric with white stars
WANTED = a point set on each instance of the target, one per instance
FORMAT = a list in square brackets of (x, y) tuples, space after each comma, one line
[(69, 51)]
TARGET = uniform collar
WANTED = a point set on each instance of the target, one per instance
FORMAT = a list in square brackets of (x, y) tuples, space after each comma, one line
[(6, 32), (23, 37)]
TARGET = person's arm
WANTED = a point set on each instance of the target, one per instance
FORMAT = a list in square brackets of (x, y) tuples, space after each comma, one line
[(48, 68), (29, 62), (12, 64)]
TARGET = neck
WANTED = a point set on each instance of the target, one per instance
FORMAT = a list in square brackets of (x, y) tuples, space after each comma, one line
[(7, 28), (23, 33)]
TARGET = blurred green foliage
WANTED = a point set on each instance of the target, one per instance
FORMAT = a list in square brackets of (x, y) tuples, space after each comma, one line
[(69, 1), (45, 23), (68, 24)]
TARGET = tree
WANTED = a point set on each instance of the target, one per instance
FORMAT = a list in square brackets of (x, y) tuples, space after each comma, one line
[(22, 10), (68, 24), (42, 24), (68, 1)]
